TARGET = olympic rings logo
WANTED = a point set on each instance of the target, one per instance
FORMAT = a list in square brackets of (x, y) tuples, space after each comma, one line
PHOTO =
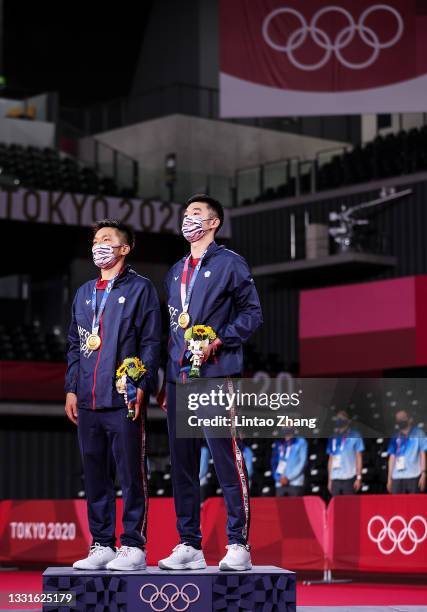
[(341, 40), (169, 600), (390, 533)]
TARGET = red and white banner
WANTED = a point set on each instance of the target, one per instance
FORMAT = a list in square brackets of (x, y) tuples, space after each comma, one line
[(43, 530), (73, 209), (288, 532), (378, 533), (287, 57), (369, 533), (56, 531)]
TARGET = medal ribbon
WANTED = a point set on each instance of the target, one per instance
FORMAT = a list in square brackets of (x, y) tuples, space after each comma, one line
[(98, 315), (186, 294), (334, 445)]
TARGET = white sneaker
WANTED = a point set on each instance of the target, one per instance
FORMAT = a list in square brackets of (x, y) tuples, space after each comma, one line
[(97, 558), (238, 558), (184, 556), (128, 558)]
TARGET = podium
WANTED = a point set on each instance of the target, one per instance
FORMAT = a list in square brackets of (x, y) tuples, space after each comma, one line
[(262, 589)]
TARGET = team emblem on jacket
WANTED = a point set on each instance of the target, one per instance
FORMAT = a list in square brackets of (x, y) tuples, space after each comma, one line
[(207, 273), (121, 299)]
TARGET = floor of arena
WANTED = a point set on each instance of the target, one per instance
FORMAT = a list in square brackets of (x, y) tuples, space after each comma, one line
[(351, 597)]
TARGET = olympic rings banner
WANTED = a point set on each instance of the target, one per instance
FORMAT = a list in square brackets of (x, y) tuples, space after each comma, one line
[(288, 57), (378, 533)]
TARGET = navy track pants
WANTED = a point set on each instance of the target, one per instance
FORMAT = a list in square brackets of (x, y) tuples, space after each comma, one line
[(227, 455), (109, 441)]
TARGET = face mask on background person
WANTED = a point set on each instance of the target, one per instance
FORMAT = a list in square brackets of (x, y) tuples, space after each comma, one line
[(341, 423), (104, 256), (402, 424), (288, 431), (192, 227)]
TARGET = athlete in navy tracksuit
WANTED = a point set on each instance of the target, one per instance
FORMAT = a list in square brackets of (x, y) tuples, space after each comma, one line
[(223, 297), (130, 326)]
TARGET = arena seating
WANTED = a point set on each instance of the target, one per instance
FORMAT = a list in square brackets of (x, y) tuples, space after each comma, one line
[(30, 343), (47, 169), (262, 485), (387, 156), (316, 476)]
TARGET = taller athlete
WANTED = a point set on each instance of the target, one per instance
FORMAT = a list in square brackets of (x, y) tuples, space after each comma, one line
[(210, 286), (114, 317)]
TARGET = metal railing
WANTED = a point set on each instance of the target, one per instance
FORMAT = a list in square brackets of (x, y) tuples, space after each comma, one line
[(253, 181), (288, 177), (104, 159)]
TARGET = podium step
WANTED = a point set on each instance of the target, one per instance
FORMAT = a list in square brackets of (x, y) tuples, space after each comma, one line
[(262, 589)]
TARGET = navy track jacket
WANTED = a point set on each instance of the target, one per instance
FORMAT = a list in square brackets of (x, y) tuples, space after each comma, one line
[(224, 297), (130, 327)]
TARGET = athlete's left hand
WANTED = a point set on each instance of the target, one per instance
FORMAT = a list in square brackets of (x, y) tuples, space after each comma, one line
[(422, 482), (211, 349), (137, 404)]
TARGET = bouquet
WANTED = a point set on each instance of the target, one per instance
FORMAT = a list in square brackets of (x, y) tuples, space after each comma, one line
[(128, 374), (198, 337)]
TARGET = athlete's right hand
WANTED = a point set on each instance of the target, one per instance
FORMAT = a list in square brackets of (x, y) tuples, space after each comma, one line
[(71, 407)]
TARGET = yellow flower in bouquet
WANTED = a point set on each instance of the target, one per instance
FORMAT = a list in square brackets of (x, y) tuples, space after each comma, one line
[(200, 332), (133, 367)]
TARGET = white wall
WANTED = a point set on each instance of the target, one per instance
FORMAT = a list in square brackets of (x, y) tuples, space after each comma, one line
[(205, 145), (208, 151)]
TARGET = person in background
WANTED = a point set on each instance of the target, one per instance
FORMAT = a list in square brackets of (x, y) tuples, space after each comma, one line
[(205, 457), (345, 457), (288, 461), (204, 465), (248, 456), (407, 457), (203, 472)]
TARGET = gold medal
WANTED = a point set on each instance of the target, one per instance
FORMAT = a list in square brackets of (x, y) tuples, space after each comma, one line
[(184, 320), (93, 342)]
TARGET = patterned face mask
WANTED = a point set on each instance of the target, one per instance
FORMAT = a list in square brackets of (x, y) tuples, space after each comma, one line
[(103, 255), (192, 228)]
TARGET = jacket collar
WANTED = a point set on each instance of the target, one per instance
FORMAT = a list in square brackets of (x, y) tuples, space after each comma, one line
[(212, 248), (121, 277)]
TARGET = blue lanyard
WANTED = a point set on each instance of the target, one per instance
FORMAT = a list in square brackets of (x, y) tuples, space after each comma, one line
[(335, 446), (401, 443), (288, 449), (98, 315)]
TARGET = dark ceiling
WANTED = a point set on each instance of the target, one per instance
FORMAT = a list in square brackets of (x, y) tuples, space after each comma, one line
[(86, 51)]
